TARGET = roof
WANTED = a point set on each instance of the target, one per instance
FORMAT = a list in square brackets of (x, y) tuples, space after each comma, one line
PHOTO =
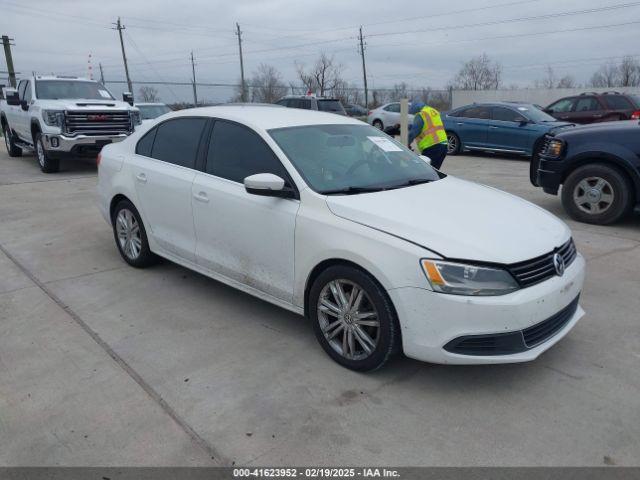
[(267, 117), (63, 77), (160, 104)]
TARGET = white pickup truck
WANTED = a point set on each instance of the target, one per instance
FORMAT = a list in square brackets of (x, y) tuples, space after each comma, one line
[(64, 117)]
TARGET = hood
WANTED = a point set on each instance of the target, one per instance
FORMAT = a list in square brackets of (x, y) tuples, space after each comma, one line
[(458, 219), (557, 125), (603, 127), (66, 104)]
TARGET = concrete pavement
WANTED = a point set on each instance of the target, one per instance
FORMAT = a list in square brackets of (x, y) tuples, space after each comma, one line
[(166, 367)]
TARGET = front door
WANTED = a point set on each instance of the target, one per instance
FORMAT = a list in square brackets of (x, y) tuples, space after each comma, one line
[(164, 171), (245, 237), (508, 130)]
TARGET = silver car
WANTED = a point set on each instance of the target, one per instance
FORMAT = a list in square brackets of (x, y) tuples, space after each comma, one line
[(386, 117)]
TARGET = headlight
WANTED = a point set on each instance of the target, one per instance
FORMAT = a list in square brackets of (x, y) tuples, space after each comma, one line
[(135, 117), (54, 118), (554, 149), (461, 279)]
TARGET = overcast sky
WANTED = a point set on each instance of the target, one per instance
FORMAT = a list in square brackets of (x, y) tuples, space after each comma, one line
[(422, 46)]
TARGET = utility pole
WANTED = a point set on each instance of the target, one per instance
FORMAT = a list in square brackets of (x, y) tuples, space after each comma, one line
[(6, 42), (364, 70), (195, 94), (243, 91), (101, 74), (121, 27)]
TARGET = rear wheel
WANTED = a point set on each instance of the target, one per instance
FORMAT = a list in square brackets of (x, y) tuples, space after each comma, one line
[(12, 149), (597, 193), (131, 236), (47, 164), (453, 144), (378, 124), (353, 318)]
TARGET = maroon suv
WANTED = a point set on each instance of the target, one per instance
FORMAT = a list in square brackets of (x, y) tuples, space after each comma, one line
[(596, 107)]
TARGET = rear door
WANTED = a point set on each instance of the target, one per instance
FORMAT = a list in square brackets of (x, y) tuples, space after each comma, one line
[(248, 238), (508, 130), (472, 125), (587, 109), (618, 107), (164, 170)]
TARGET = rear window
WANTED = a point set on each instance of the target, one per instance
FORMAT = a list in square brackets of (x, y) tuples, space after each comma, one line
[(635, 99), (330, 106), (616, 102)]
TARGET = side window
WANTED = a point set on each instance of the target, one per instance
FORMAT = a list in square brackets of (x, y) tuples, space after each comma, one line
[(177, 141), (562, 106), (235, 152), (282, 102), (476, 112), (27, 92), (617, 102), (21, 86), (587, 104), (393, 108), (145, 144), (506, 115)]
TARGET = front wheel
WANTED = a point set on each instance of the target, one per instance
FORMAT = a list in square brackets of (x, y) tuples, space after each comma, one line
[(353, 318), (597, 193), (47, 164), (453, 144)]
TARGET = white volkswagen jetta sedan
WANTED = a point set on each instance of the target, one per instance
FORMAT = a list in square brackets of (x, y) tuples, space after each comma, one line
[(332, 219)]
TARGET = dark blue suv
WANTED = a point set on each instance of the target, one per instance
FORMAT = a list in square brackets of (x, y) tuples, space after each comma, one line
[(507, 127)]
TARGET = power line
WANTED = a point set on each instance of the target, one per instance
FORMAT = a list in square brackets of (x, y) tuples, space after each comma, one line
[(511, 20)]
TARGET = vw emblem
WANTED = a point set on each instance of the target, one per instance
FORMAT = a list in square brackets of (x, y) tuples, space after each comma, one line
[(558, 263)]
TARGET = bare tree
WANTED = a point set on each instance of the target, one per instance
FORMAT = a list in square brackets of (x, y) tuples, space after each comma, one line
[(348, 93), (606, 76), (479, 73), (549, 79), (267, 85), (149, 94), (629, 72), (566, 82), (398, 92), (323, 77)]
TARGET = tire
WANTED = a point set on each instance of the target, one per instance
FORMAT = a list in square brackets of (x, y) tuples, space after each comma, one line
[(47, 164), (378, 124), (363, 352), (12, 149), (453, 144), (132, 242), (597, 193)]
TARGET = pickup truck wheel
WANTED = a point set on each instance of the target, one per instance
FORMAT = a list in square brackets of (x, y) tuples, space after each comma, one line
[(47, 164), (597, 193), (12, 149)]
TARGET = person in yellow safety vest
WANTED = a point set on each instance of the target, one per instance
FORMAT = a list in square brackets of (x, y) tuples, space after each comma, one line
[(428, 132)]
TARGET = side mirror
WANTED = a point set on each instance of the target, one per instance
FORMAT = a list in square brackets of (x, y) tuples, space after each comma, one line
[(426, 159), (24, 105), (267, 185), (548, 110), (128, 97), (12, 97), (524, 121)]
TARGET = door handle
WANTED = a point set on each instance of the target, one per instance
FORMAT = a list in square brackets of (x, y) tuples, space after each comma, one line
[(201, 197), (491, 126), (141, 177), (460, 123)]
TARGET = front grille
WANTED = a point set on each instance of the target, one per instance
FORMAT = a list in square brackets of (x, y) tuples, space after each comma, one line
[(542, 331), (545, 144), (97, 122), (513, 342), (541, 268)]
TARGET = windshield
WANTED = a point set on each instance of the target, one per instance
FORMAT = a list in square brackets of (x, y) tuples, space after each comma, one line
[(534, 113), (67, 89), (351, 158), (330, 106), (152, 111), (636, 100)]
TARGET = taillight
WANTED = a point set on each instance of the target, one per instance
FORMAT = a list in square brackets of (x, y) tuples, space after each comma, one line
[(635, 115), (370, 112), (98, 159)]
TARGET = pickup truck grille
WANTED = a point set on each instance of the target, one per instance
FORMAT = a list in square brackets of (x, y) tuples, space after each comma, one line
[(97, 122), (539, 269)]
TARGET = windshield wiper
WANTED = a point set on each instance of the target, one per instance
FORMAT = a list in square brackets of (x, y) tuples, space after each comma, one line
[(353, 190), (412, 181)]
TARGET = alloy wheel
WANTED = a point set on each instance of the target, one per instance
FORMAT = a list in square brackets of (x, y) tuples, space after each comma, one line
[(40, 153), (452, 143), (129, 235), (7, 142), (348, 319), (593, 195)]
